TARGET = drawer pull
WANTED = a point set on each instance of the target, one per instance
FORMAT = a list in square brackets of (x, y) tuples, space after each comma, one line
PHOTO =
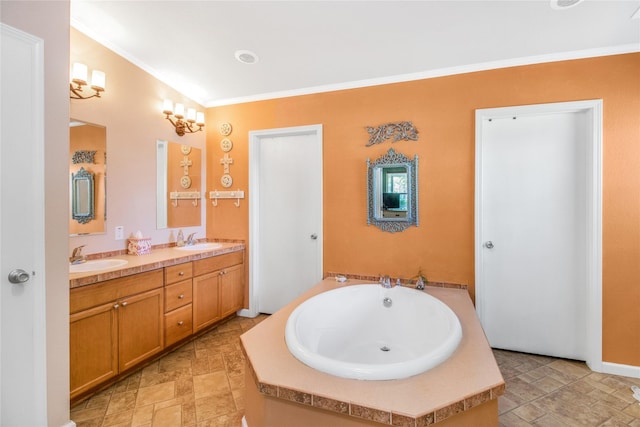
[(124, 303), (115, 306), (181, 296), (181, 273), (180, 323)]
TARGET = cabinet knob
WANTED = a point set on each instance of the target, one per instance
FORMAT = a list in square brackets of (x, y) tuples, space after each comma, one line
[(181, 273), (124, 303), (181, 296), (115, 306), (180, 323)]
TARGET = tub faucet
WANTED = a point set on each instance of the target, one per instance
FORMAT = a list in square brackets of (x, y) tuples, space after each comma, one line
[(385, 282), (190, 240), (76, 256)]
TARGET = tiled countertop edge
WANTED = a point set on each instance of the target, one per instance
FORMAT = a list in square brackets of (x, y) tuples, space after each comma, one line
[(403, 281), (372, 414), (114, 274)]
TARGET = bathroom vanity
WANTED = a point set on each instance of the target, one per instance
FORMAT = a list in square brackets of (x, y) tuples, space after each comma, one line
[(282, 391), (125, 316)]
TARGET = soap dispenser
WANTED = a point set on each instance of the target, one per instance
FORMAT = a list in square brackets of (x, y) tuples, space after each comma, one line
[(180, 240)]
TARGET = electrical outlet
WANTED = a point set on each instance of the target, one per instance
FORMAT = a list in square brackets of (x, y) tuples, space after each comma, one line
[(120, 232)]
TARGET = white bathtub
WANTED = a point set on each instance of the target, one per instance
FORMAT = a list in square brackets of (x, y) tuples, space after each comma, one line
[(348, 332)]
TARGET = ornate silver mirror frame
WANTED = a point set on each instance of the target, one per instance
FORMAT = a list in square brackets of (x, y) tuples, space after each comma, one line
[(392, 209), (82, 197)]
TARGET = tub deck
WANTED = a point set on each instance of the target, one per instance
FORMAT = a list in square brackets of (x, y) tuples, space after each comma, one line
[(282, 391)]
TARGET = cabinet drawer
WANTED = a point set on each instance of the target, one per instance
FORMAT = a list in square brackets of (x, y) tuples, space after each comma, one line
[(177, 273), (218, 262), (178, 324), (177, 295), (112, 290)]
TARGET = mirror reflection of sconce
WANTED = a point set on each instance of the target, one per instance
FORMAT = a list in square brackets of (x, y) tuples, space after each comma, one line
[(82, 196), (193, 118), (79, 78), (392, 192)]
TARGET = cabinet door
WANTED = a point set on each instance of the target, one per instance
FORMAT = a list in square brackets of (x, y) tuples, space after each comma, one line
[(93, 342), (205, 300), (231, 290), (140, 327)]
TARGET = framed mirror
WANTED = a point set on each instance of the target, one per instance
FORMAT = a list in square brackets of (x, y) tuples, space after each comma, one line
[(88, 178), (392, 192), (82, 200), (178, 185)]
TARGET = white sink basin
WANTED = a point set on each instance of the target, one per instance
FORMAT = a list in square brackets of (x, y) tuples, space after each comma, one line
[(200, 247), (98, 264)]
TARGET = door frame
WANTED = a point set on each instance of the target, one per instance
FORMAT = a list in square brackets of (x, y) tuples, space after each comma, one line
[(255, 138), (593, 109)]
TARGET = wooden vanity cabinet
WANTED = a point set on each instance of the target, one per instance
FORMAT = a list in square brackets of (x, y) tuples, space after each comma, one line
[(114, 325), (178, 297), (218, 288)]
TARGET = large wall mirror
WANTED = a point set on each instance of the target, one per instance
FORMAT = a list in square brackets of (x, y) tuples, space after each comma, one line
[(178, 185), (88, 178), (392, 192)]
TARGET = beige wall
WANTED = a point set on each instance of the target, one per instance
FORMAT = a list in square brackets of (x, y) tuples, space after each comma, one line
[(50, 21), (443, 111), (131, 110)]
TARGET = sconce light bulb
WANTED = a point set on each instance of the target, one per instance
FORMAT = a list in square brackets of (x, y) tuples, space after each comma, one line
[(200, 118), (191, 115), (79, 73), (179, 111), (98, 80), (167, 107)]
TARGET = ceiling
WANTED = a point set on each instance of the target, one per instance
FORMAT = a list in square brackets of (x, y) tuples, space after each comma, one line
[(314, 46)]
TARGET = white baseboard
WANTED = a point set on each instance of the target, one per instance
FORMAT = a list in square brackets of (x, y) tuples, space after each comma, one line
[(622, 370)]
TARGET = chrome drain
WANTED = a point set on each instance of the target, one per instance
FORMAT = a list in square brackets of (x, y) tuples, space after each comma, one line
[(385, 348)]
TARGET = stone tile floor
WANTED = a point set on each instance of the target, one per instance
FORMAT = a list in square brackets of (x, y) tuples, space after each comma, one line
[(201, 384)]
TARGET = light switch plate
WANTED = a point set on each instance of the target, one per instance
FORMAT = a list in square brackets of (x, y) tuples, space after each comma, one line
[(120, 232)]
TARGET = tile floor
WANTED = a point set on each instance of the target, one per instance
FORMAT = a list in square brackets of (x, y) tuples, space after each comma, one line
[(202, 385)]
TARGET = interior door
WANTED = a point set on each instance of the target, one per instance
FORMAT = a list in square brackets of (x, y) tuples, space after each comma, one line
[(532, 233), (288, 232), (22, 293)]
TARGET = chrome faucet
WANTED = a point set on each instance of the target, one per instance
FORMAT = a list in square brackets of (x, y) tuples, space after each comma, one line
[(190, 240), (76, 255)]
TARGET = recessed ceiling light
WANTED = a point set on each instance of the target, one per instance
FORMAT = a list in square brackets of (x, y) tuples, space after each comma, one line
[(564, 4), (246, 56)]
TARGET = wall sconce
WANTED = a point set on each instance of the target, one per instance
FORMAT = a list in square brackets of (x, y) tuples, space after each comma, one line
[(79, 78), (182, 126)]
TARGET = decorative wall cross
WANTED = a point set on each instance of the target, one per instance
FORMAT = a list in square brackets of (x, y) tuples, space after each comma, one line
[(186, 164), (226, 161)]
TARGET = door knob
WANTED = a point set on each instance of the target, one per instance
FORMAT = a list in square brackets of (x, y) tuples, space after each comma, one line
[(314, 236), (18, 276), (488, 244)]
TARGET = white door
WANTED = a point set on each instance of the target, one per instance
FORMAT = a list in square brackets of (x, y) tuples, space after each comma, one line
[(286, 214), (532, 231), (22, 304)]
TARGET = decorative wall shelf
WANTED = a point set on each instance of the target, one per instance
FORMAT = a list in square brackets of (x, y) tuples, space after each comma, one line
[(194, 196), (215, 195)]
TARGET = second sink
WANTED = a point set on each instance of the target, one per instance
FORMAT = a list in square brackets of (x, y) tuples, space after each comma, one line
[(200, 247)]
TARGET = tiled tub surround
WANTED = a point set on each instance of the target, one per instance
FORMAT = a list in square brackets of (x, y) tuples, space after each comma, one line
[(158, 258), (281, 391)]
